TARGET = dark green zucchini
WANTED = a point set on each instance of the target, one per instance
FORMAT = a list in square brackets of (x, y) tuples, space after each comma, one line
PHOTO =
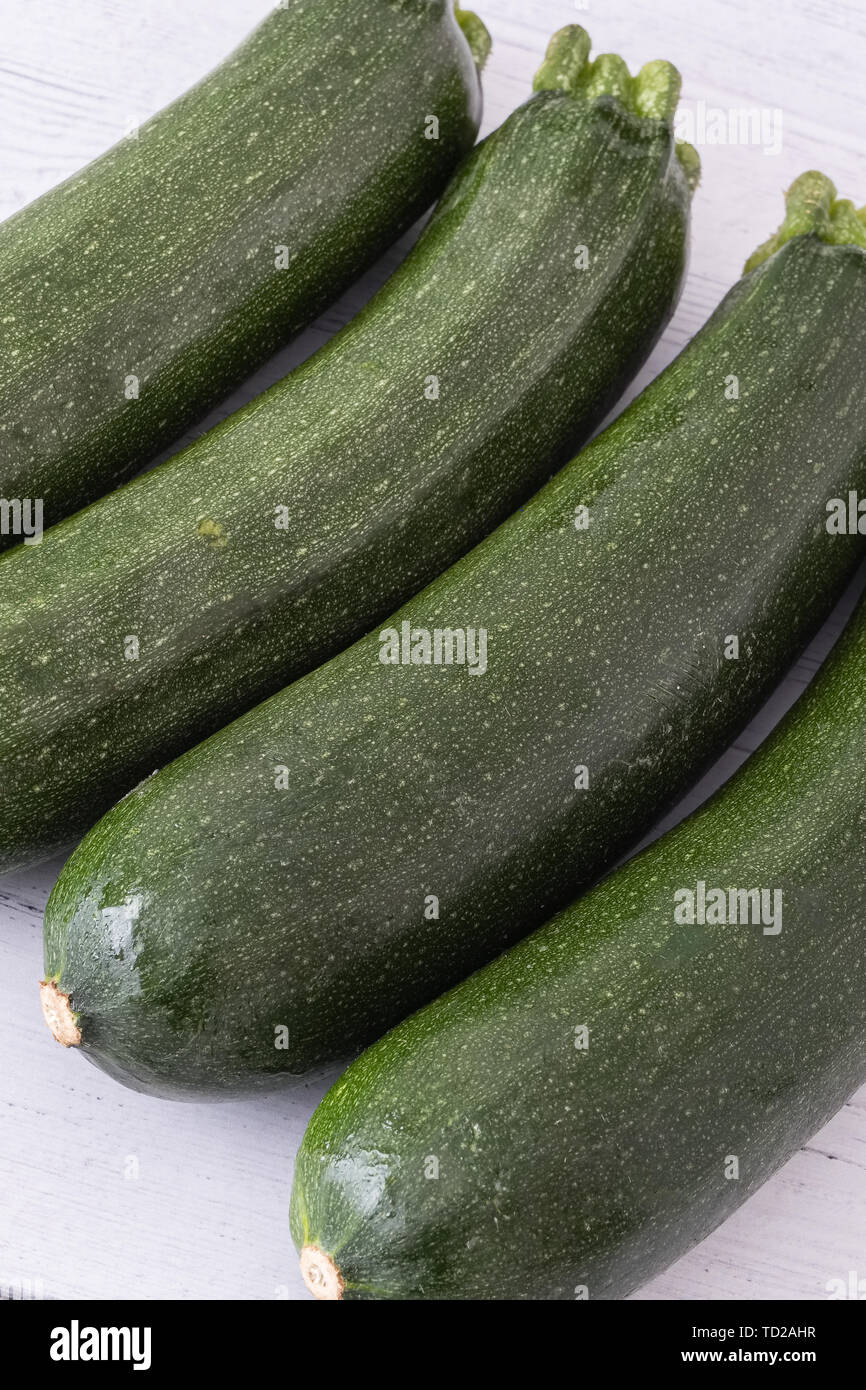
[(289, 530), (141, 290), (326, 864), (581, 1112)]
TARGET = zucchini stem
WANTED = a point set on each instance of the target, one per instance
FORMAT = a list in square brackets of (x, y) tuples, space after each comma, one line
[(476, 34), (657, 90), (651, 96), (690, 163), (564, 62), (813, 209)]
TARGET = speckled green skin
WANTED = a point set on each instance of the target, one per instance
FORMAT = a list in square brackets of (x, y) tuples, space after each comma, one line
[(159, 259), (384, 487), (561, 1169), (209, 907)]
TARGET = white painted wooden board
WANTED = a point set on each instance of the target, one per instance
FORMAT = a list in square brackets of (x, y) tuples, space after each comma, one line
[(107, 1194)]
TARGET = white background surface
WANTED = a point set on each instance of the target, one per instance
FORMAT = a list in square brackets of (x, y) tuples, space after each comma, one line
[(107, 1194)]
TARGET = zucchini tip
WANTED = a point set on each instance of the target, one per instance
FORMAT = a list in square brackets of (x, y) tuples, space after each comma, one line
[(59, 1015), (321, 1275)]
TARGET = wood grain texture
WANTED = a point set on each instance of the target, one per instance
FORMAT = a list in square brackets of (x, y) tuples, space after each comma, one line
[(151, 1199)]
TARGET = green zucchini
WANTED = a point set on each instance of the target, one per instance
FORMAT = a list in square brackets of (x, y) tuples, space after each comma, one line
[(578, 1114), (317, 870), (144, 288), (289, 530)]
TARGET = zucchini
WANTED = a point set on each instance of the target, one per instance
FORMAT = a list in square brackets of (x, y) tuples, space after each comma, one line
[(145, 287), (290, 529), (316, 871), (581, 1112)]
